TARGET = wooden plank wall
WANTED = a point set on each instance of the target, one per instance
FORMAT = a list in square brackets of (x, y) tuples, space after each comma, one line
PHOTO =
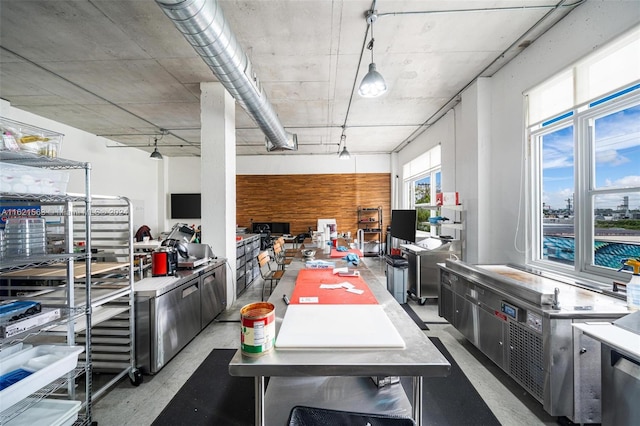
[(302, 199)]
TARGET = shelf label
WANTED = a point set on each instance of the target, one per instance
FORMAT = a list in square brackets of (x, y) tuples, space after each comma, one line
[(11, 211)]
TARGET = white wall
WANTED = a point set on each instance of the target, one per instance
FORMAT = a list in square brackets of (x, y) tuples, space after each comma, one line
[(312, 164), (483, 157), (183, 177), (126, 172)]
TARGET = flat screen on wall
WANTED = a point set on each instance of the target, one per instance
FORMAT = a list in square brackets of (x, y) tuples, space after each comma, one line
[(185, 206), (403, 224)]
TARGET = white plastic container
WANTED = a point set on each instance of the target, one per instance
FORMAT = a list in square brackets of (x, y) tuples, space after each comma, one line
[(48, 412), (633, 293), (13, 349), (32, 180), (633, 286), (48, 363)]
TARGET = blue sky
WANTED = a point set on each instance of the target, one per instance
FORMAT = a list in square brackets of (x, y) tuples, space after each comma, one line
[(617, 148)]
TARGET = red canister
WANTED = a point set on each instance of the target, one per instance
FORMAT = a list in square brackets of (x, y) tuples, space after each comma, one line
[(159, 263)]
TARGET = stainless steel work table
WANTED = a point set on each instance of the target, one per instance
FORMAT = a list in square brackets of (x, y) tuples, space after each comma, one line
[(420, 358)]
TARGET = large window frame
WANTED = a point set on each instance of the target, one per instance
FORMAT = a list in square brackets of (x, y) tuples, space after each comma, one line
[(597, 87), (582, 119)]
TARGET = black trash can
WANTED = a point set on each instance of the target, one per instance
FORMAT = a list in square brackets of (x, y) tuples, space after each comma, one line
[(397, 271)]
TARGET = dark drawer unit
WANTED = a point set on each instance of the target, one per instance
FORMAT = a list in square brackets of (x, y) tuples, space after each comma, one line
[(247, 250)]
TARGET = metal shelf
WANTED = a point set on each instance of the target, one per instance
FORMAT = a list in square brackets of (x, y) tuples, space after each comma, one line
[(20, 263), (66, 315), (42, 198), (24, 158), (55, 296), (458, 226), (42, 393), (378, 230), (457, 207)]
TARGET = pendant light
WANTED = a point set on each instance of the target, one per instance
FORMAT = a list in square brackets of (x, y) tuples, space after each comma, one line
[(344, 154), (156, 154), (373, 84)]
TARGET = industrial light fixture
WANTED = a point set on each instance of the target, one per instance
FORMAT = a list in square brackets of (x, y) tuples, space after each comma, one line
[(156, 154), (344, 154), (372, 84)]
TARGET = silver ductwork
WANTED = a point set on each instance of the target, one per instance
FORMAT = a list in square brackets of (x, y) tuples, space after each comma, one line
[(203, 25)]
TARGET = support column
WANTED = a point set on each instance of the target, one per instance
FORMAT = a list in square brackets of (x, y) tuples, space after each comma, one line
[(218, 176)]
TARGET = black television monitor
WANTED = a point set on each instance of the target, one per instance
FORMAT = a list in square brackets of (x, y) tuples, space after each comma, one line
[(403, 224), (273, 227), (185, 206), (280, 228)]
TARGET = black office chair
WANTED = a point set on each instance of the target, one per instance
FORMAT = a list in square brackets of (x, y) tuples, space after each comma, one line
[(265, 237), (301, 237)]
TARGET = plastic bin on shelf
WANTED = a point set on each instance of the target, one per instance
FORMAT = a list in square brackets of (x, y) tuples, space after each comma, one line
[(18, 136), (10, 350), (46, 362), (48, 412), (32, 180), (311, 416)]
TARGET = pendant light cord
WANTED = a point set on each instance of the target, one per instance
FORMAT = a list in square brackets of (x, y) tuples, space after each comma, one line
[(355, 78)]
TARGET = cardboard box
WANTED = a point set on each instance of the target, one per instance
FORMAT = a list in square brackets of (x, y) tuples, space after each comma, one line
[(14, 328), (447, 199)]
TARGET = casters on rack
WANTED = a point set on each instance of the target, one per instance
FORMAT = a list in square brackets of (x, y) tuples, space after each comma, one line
[(136, 377), (420, 300)]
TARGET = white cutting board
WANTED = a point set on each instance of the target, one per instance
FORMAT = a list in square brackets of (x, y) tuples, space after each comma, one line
[(337, 327)]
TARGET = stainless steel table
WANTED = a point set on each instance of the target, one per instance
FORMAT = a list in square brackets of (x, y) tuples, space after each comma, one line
[(420, 358)]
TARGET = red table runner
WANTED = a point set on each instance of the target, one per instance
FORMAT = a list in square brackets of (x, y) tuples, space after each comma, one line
[(308, 286)]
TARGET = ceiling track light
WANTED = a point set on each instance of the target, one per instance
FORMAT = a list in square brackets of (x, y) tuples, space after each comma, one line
[(156, 154), (373, 84), (344, 154)]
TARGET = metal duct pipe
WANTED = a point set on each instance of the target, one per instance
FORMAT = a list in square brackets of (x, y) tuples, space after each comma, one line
[(205, 28)]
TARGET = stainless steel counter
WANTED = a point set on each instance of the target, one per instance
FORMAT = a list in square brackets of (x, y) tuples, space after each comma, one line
[(419, 359), (523, 320), (620, 368), (539, 289), (172, 310)]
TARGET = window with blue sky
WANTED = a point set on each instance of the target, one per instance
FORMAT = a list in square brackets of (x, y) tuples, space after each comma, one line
[(585, 164)]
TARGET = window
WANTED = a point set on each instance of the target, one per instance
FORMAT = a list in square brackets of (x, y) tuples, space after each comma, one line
[(585, 164), (422, 180)]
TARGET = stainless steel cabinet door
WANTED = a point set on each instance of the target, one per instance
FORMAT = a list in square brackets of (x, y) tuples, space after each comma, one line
[(466, 313), (491, 339), (446, 303), (177, 321), (213, 298)]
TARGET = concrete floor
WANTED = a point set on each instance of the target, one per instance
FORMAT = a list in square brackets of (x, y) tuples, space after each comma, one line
[(129, 405)]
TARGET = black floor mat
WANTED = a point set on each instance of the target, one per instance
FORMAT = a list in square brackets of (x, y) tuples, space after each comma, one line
[(212, 397), (453, 400), (414, 316)]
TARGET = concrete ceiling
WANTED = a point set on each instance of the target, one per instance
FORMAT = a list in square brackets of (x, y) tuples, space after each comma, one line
[(120, 68)]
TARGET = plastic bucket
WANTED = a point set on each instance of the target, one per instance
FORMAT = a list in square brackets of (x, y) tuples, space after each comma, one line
[(258, 328)]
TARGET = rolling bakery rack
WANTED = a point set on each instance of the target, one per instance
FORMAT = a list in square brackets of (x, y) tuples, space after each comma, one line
[(77, 293)]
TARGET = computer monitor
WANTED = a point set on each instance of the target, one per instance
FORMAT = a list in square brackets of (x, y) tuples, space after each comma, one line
[(403, 224)]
